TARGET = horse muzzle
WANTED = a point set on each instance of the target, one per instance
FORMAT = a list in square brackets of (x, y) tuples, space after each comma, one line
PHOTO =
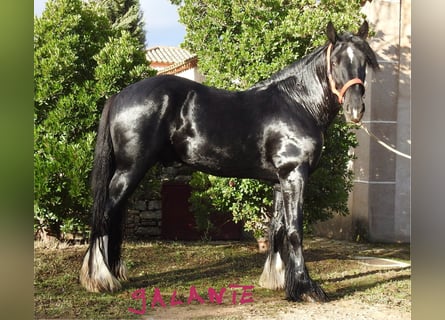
[(354, 115)]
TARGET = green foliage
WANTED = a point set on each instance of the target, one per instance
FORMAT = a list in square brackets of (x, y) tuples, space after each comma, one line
[(329, 185), (153, 179), (119, 63), (201, 200), (248, 200), (79, 61), (248, 40), (125, 15), (242, 42)]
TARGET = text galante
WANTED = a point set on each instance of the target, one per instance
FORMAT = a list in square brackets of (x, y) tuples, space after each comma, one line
[(240, 294)]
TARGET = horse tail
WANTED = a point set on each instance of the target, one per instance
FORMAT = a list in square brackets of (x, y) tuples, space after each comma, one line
[(95, 273), (103, 169)]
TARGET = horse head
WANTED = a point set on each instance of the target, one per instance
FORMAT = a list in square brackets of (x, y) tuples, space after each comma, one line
[(347, 57)]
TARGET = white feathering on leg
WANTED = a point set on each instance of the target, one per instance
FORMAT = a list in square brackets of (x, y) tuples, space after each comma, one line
[(99, 278), (273, 273)]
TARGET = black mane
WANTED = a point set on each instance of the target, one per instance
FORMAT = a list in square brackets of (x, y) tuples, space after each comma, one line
[(304, 82), (293, 70), (300, 67)]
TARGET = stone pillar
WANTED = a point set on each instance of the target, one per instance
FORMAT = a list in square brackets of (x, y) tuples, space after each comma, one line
[(380, 202)]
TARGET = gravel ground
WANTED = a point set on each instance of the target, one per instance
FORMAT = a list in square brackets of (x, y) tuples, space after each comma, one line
[(348, 309)]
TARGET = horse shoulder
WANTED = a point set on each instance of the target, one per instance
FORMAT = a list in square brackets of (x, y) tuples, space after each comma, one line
[(286, 146)]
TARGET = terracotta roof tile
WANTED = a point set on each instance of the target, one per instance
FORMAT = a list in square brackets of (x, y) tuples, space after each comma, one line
[(168, 55), (180, 66)]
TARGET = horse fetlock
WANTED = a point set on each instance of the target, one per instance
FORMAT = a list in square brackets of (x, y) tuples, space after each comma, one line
[(120, 270), (273, 272), (299, 285), (95, 274)]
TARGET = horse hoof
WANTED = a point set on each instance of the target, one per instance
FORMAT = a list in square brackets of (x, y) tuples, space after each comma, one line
[(309, 297), (311, 293), (315, 297)]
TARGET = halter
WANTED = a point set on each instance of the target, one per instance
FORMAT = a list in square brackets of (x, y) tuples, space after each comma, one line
[(346, 86)]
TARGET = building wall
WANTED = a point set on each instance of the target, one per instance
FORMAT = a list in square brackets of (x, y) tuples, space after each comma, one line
[(380, 201), (381, 196), (192, 74)]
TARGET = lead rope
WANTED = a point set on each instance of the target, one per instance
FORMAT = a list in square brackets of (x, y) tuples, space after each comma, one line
[(384, 144)]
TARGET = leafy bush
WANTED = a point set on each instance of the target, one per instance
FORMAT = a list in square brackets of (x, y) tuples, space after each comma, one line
[(248, 200), (79, 61)]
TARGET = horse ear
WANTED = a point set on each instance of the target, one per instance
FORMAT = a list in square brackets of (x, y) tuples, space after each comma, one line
[(363, 31), (331, 33)]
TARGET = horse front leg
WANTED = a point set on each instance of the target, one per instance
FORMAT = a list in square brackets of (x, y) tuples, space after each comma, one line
[(298, 284)]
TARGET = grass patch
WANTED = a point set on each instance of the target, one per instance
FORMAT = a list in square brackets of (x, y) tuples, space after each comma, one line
[(177, 266)]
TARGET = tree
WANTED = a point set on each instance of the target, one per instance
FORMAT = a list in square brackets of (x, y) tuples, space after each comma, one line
[(125, 15), (79, 61), (242, 42)]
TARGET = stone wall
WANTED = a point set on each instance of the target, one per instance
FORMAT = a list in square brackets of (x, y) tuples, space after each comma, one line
[(143, 219)]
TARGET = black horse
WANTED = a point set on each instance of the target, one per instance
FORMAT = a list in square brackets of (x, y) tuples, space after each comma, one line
[(272, 131)]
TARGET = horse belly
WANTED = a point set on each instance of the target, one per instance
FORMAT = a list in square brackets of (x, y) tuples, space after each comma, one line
[(233, 159)]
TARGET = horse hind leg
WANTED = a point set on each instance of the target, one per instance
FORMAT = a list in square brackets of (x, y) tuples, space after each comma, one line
[(102, 266), (274, 267), (273, 276), (98, 272)]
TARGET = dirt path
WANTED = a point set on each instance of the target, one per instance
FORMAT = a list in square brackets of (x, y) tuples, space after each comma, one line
[(348, 309)]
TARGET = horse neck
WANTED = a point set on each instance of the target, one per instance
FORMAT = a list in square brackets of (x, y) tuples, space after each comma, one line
[(306, 84)]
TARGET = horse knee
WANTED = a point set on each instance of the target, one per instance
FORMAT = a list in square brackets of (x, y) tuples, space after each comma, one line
[(295, 239)]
